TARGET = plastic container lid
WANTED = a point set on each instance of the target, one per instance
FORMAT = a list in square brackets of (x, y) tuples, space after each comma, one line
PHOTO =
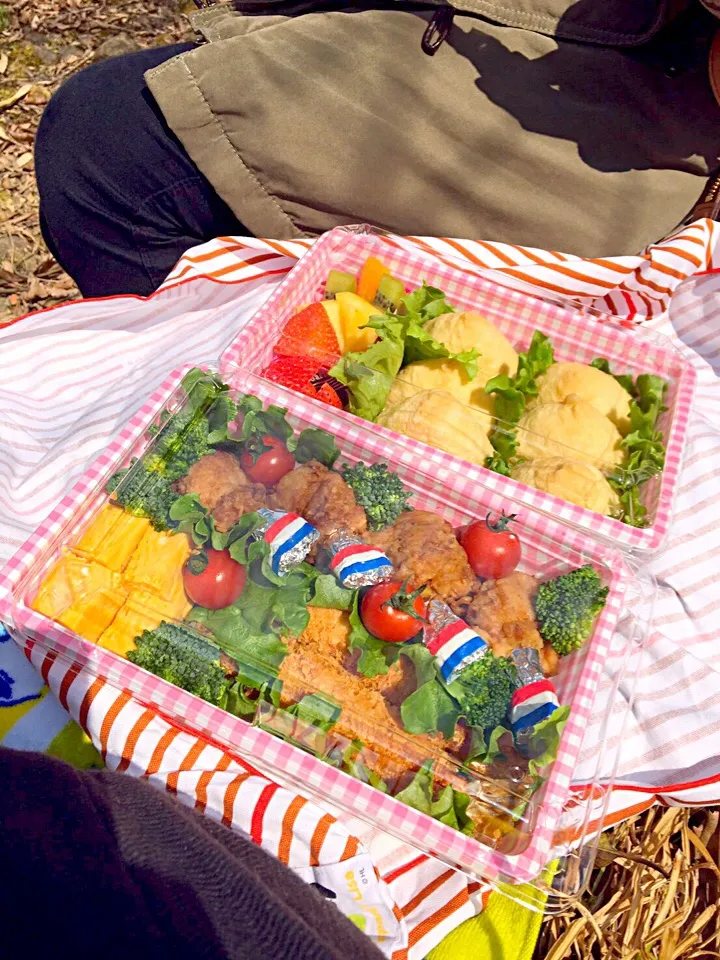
[(285, 669)]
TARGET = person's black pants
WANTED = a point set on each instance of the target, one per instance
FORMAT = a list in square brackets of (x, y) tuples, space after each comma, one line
[(120, 200)]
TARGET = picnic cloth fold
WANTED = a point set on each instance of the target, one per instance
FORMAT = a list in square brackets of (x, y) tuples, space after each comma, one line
[(118, 350)]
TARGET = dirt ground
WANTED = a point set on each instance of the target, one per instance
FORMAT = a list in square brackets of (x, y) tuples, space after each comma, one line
[(654, 892), (42, 43)]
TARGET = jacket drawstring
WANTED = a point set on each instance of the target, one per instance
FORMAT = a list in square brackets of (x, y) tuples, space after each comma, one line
[(437, 30)]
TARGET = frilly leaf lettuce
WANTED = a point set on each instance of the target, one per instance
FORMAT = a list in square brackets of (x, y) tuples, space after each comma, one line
[(511, 396), (316, 710), (425, 303), (430, 708), (485, 744), (416, 309), (369, 374), (511, 393), (352, 762), (644, 445), (624, 379), (257, 420)]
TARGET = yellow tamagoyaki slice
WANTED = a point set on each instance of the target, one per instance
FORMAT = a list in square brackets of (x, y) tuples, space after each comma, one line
[(157, 562), (112, 537), (82, 595)]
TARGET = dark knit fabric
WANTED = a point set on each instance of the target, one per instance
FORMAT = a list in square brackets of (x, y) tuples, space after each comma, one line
[(103, 866)]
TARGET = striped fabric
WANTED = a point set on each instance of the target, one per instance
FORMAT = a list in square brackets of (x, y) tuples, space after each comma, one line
[(119, 349)]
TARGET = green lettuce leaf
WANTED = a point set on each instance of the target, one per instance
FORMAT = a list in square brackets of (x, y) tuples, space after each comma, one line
[(329, 593), (624, 379), (236, 637), (192, 518), (316, 710), (369, 375), (511, 397), (450, 807), (352, 762), (418, 793), (430, 709), (408, 325), (256, 420), (644, 445), (485, 744), (543, 746), (425, 303), (373, 660), (314, 444)]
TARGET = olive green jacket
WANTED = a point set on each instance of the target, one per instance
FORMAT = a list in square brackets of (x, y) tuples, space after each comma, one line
[(586, 126)]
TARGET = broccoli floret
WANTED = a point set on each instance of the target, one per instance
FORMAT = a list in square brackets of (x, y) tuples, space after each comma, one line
[(484, 690), (144, 491), (181, 443), (181, 657), (378, 491), (567, 606)]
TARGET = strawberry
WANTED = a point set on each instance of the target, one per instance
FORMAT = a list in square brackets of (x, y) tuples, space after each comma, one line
[(302, 375), (328, 395), (295, 373), (309, 333)]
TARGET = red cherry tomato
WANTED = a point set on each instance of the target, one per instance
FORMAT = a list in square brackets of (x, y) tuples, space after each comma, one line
[(391, 614), (266, 460), (492, 550), (218, 584)]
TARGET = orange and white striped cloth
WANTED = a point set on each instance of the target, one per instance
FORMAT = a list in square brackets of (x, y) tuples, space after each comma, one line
[(73, 375)]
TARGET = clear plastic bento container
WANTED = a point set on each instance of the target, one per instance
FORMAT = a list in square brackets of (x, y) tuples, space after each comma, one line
[(583, 443), (289, 673)]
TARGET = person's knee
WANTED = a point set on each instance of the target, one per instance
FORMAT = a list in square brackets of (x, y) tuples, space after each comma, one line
[(61, 140)]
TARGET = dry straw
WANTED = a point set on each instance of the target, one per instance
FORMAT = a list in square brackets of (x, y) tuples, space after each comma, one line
[(653, 894)]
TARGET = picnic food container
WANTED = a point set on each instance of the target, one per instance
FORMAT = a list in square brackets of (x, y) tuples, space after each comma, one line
[(578, 335), (302, 729)]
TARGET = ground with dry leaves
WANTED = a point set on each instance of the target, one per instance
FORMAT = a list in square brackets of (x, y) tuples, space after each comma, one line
[(42, 43), (654, 892)]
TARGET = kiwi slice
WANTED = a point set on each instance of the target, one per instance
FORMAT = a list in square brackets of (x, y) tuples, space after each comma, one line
[(339, 282), (389, 293)]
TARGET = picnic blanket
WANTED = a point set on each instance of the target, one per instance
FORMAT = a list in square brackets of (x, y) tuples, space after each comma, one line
[(73, 375)]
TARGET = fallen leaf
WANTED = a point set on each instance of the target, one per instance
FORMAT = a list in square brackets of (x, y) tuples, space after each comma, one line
[(4, 60), (23, 91), (24, 159)]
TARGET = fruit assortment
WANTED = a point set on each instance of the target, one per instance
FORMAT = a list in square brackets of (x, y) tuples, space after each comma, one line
[(319, 334)]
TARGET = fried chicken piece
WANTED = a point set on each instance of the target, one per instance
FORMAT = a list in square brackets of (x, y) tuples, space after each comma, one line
[(317, 661), (223, 488), (323, 498), (424, 549), (503, 611)]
